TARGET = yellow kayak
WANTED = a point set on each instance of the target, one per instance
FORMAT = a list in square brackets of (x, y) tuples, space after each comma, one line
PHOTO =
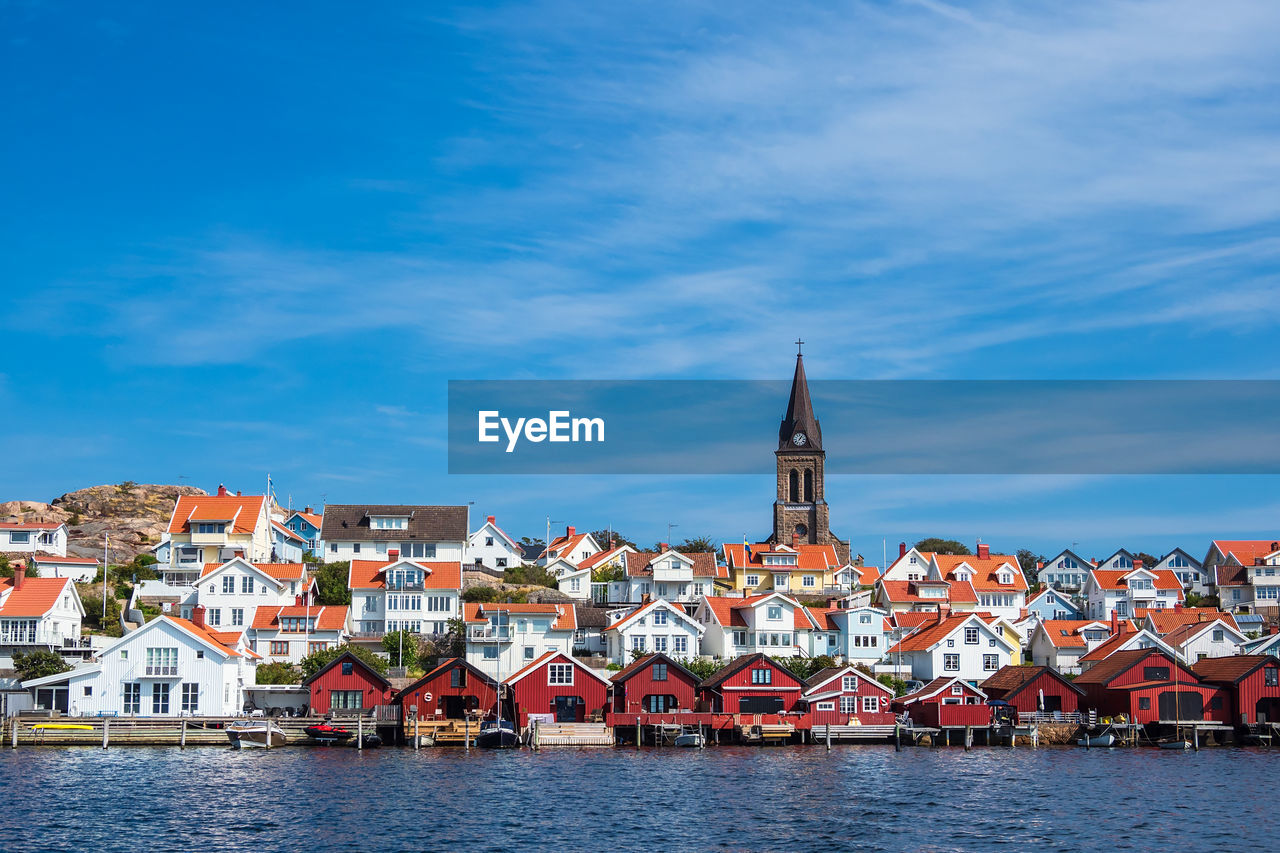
[(40, 727)]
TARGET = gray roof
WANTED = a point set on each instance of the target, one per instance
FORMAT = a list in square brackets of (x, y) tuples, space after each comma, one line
[(350, 523)]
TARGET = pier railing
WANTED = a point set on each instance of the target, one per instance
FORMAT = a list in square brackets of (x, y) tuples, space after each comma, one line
[(1062, 717)]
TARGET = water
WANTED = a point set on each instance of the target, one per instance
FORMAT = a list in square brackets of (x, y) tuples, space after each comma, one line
[(726, 798)]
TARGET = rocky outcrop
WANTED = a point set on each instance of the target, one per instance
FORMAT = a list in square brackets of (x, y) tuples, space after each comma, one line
[(134, 516)]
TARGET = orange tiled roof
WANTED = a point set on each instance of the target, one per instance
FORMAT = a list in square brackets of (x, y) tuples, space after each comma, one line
[(36, 598), (984, 570), (1246, 552), (1108, 647), (30, 525), (1111, 578), (1065, 633), (814, 558), (367, 574), (728, 611), (930, 635), (243, 510), (214, 637), (566, 617), (327, 617), (1169, 619)]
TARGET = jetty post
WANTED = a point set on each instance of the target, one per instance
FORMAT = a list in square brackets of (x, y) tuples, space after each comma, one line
[(466, 734), (897, 736), (182, 741), (968, 738), (359, 733), (828, 737), (106, 724)]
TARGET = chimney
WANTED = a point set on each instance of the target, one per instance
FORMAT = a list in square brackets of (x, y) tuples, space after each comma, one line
[(1177, 605), (239, 493), (1273, 630), (297, 600), (941, 616), (984, 551), (239, 553), (222, 491), (902, 549), (307, 510), (663, 546), (1115, 623), (197, 615), (1137, 563), (19, 576), (832, 602), (795, 539), (1039, 565), (570, 532), (393, 554), (492, 519)]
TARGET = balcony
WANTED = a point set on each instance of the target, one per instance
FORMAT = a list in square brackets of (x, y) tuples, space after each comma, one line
[(160, 671), (396, 585), (208, 538), (490, 633)]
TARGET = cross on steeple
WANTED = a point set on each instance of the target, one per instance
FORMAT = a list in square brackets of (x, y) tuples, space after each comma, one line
[(799, 347)]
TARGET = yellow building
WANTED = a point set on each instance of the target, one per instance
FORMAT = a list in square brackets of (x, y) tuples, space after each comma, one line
[(798, 569)]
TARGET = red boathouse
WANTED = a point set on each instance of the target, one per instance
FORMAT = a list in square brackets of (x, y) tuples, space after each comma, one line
[(451, 690), (1034, 689), (1147, 687), (1251, 681), (654, 684), (841, 695), (559, 685), (347, 685), (753, 684)]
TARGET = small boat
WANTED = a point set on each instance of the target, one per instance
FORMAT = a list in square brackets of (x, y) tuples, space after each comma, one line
[(248, 733), (497, 734), (1103, 740), (1176, 743), (371, 740), (327, 734), (61, 727), (691, 737)]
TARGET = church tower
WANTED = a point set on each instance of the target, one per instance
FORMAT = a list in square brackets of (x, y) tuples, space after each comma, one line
[(800, 510)]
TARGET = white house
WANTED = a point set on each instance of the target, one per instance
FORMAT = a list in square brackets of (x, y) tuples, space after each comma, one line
[(373, 531), (1065, 571), (400, 594), (38, 614), (573, 581), (772, 623), (1125, 635), (289, 633), (1060, 643), (658, 626), (212, 529), (1124, 591), (490, 547), (34, 537), (232, 592), (1195, 578), (668, 574), (961, 646), (502, 638), (166, 668), (572, 546), (78, 569), (1214, 638)]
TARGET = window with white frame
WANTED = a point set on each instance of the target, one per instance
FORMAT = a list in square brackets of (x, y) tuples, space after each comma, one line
[(951, 663), (807, 581), (870, 704), (190, 698), (739, 638), (762, 676), (680, 645), (773, 612), (246, 585), (560, 673), (659, 617), (237, 616), (990, 663), (637, 643), (825, 706), (659, 644), (753, 580), (849, 684), (971, 636), (957, 690), (848, 704), (228, 585), (132, 697)]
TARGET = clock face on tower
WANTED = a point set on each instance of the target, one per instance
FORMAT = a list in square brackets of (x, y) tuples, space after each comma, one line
[(799, 439)]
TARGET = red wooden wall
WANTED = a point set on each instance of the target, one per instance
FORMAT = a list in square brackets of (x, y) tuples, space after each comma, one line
[(728, 696), (533, 695), (361, 678), (482, 692), (628, 696)]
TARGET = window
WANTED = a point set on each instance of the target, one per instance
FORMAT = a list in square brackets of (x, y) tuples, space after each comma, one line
[(316, 646), (246, 585), (680, 645), (762, 676), (951, 663), (333, 547), (350, 700), (237, 616), (849, 684), (488, 541), (132, 697), (739, 638), (490, 652), (348, 667), (457, 677), (971, 636), (957, 690), (279, 647), (560, 673), (214, 616), (1155, 673), (659, 644), (1271, 677), (500, 562), (870, 704), (753, 580), (528, 652), (807, 580), (417, 550), (160, 698), (659, 617), (825, 706), (990, 663), (774, 612), (162, 661), (19, 537), (355, 548), (190, 698), (211, 528), (848, 704), (951, 643), (991, 644), (637, 643), (1144, 703), (659, 672), (865, 618), (1217, 635)]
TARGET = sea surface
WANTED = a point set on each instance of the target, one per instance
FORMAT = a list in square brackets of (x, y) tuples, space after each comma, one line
[(864, 798)]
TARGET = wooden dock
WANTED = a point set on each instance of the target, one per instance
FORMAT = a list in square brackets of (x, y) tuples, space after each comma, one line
[(151, 731), (542, 735), (852, 733)]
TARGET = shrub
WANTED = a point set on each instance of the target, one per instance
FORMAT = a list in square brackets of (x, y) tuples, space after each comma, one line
[(38, 664), (278, 673), (401, 646), (316, 661), (331, 584)]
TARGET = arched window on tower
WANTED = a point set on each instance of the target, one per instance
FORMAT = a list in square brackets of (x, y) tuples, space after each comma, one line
[(793, 494), (808, 484)]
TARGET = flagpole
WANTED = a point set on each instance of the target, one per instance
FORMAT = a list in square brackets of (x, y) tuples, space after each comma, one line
[(106, 539)]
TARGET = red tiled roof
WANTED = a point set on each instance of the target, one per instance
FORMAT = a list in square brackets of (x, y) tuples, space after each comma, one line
[(602, 557), (367, 574), (206, 634), (1246, 552), (244, 510), (1230, 575), (1108, 646), (30, 525), (930, 635), (1169, 619), (1111, 578), (564, 546), (289, 534), (1230, 669), (814, 558), (728, 610), (77, 561), (36, 598), (984, 570), (640, 564), (1065, 633), (912, 619), (565, 616), (327, 617), (279, 571)]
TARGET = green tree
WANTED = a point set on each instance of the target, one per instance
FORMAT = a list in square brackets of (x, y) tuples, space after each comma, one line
[(278, 673), (697, 545), (316, 661), (529, 575), (941, 546), (6, 568), (1027, 560), (401, 647), (93, 614), (482, 593), (38, 664), (702, 667), (897, 685), (453, 644), (331, 584), (1148, 560), (604, 536), (608, 573)]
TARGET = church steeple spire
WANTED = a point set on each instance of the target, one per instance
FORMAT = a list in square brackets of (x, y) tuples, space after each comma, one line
[(800, 420)]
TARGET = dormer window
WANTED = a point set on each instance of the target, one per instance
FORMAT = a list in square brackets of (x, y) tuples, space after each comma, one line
[(1004, 577), (389, 522)]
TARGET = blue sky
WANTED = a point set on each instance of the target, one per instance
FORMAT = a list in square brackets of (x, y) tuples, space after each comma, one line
[(260, 238)]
